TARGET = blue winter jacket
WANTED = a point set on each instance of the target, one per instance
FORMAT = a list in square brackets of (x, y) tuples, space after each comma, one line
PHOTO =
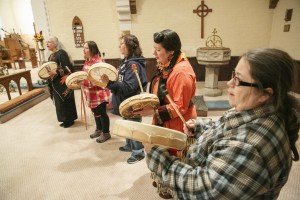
[(127, 84)]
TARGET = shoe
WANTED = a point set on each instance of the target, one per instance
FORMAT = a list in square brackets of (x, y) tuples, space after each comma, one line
[(68, 124), (154, 184), (135, 159), (96, 134), (103, 137), (125, 149), (165, 195), (62, 124)]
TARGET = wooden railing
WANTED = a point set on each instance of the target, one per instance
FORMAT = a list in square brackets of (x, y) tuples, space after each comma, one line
[(224, 73)]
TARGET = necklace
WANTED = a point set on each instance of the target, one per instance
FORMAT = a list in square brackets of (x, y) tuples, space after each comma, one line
[(164, 70)]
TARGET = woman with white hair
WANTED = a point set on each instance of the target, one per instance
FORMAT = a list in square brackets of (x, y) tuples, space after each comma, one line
[(62, 96)]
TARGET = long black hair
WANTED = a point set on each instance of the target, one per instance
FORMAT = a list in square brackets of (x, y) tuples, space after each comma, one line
[(170, 41), (93, 47)]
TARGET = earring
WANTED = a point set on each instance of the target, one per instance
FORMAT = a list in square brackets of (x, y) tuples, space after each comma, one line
[(170, 57)]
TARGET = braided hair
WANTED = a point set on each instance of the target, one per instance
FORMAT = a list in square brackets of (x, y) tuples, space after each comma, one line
[(170, 41)]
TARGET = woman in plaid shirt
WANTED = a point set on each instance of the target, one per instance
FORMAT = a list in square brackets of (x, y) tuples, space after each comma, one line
[(248, 152), (96, 97)]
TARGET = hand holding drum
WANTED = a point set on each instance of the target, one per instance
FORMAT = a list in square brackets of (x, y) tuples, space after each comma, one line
[(104, 79), (100, 73), (47, 70), (74, 80), (139, 105), (153, 135), (189, 127)]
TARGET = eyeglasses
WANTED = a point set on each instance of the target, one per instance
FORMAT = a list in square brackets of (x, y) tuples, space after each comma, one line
[(238, 82)]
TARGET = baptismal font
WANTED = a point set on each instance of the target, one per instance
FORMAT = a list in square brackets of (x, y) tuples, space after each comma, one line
[(213, 56)]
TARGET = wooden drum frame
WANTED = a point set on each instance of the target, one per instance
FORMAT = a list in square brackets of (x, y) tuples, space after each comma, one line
[(73, 79), (97, 70), (45, 68), (147, 133), (137, 103)]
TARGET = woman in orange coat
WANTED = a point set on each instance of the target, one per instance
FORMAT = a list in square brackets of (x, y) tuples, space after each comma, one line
[(176, 75)]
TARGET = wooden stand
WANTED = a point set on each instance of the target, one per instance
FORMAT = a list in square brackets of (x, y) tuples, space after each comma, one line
[(21, 64), (83, 107), (15, 54), (30, 54)]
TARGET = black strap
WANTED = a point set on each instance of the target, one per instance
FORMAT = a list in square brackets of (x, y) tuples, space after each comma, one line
[(160, 94)]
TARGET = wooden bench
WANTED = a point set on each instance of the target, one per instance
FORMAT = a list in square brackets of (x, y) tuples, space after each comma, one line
[(15, 106)]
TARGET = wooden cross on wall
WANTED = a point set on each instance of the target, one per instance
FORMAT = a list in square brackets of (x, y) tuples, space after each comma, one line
[(202, 11)]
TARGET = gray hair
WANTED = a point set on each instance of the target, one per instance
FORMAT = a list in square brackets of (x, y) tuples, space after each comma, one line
[(274, 68), (55, 41)]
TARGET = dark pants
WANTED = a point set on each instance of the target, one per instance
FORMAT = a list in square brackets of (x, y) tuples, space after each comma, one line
[(101, 117)]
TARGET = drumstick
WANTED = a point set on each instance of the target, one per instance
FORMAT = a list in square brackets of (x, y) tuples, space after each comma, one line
[(68, 69), (81, 105), (137, 76), (84, 113), (165, 91)]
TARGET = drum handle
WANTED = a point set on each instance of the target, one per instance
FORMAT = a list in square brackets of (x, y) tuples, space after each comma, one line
[(165, 91), (133, 66)]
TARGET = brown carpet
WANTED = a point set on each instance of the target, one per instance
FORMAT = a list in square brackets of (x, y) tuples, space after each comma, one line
[(42, 161)]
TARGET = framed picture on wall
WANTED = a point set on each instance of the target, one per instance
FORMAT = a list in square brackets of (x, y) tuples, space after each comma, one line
[(288, 15), (286, 28)]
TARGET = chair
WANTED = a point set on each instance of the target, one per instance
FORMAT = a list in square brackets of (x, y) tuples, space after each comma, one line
[(8, 57)]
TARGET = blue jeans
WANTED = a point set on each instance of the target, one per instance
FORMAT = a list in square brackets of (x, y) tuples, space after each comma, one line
[(136, 147)]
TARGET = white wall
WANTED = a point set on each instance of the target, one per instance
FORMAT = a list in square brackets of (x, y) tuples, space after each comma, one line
[(23, 16), (7, 19), (39, 9), (242, 24), (99, 20), (288, 41), (16, 16)]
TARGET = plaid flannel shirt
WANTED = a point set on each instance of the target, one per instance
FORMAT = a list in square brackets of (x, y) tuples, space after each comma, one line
[(94, 94), (243, 155)]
